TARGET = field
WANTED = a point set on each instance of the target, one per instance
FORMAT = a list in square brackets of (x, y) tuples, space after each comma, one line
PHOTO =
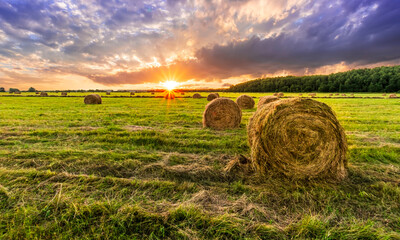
[(134, 168)]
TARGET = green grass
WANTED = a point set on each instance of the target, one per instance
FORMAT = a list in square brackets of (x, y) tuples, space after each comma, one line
[(144, 168)]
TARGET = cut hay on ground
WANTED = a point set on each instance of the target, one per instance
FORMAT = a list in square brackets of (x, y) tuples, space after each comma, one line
[(245, 102), (44, 94), (93, 99), (196, 95), (222, 113), (211, 96), (299, 138), (64, 94), (265, 100)]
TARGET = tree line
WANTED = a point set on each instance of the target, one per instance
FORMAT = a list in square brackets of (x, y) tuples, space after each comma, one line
[(380, 79)]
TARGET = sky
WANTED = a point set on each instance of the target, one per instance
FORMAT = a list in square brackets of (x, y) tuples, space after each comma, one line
[(129, 44)]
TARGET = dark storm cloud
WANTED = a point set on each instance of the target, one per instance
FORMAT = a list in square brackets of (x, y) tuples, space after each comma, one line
[(361, 32)]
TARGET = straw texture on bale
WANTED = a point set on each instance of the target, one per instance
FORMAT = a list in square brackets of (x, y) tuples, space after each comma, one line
[(196, 95), (299, 138), (217, 94), (43, 94), (64, 94), (222, 113), (245, 102), (265, 100), (92, 99), (211, 96)]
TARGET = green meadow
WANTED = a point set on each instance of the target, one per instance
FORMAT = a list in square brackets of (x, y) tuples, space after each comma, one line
[(144, 168)]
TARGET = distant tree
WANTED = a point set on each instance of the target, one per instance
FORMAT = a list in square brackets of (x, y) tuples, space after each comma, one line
[(2, 89), (11, 90), (31, 89)]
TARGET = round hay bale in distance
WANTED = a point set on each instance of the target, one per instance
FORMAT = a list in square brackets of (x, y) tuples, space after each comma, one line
[(196, 95), (182, 93), (265, 100), (221, 114), (44, 94), (64, 94), (299, 138), (211, 96), (132, 93), (393, 96), (275, 94), (93, 99), (280, 94), (245, 102)]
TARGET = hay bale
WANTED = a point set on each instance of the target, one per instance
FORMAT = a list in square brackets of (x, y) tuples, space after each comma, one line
[(384, 94), (280, 94), (275, 94), (330, 94), (93, 99), (265, 100), (64, 94), (132, 93), (312, 95), (222, 113), (211, 96), (300, 94), (36, 92), (299, 138), (108, 93), (217, 94), (182, 93), (343, 95), (196, 95), (152, 93), (392, 96), (245, 102), (44, 94), (17, 92), (337, 94)]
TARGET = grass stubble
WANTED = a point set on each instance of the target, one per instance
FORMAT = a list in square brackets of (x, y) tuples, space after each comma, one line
[(146, 169)]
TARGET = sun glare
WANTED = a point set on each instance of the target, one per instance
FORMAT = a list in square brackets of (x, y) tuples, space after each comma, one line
[(170, 85)]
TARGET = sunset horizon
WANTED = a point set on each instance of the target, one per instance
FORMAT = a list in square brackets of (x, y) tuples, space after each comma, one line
[(54, 45)]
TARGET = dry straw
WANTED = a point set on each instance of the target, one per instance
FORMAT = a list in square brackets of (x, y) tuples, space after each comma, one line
[(212, 96), (245, 102), (265, 100), (299, 138), (196, 95), (222, 113), (92, 99), (43, 94)]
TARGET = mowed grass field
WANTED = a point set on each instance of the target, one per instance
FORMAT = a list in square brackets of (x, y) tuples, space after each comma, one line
[(144, 168)]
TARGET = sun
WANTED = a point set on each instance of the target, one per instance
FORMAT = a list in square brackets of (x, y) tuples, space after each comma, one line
[(170, 85)]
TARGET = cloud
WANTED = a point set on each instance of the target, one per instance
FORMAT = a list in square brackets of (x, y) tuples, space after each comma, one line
[(131, 42)]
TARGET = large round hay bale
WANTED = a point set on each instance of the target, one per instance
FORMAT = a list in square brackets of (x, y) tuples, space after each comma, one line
[(217, 94), (211, 96), (299, 138), (196, 95), (222, 113), (44, 94), (92, 99), (64, 94), (265, 100), (245, 102)]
